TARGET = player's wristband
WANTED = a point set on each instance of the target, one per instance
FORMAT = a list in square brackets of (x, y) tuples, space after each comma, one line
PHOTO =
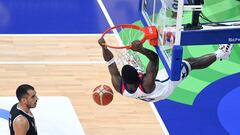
[(110, 62)]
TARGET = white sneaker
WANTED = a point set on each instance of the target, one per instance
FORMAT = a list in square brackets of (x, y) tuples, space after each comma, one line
[(224, 51)]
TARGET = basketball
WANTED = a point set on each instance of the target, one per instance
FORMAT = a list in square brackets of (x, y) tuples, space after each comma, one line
[(102, 95)]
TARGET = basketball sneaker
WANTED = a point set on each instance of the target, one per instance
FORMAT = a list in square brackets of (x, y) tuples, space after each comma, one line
[(224, 51)]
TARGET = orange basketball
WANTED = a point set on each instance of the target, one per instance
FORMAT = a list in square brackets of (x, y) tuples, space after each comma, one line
[(103, 95)]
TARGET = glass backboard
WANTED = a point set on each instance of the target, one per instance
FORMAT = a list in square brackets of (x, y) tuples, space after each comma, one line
[(164, 14)]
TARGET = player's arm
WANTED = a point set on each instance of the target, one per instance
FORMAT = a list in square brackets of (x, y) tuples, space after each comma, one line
[(152, 67), (20, 125), (112, 67)]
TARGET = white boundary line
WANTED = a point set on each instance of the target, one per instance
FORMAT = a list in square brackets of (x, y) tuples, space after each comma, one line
[(50, 62), (110, 22), (159, 119), (105, 12)]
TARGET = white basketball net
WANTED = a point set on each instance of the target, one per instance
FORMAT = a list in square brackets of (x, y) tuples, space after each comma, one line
[(124, 56), (128, 57)]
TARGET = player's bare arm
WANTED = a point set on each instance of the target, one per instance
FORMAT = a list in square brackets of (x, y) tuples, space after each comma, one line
[(152, 67), (20, 125), (112, 67)]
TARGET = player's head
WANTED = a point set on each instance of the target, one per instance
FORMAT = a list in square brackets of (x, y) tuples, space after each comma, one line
[(130, 74), (27, 95)]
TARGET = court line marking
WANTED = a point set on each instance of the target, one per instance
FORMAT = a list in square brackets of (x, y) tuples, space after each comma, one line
[(164, 128), (44, 102), (50, 62), (110, 22), (75, 62), (106, 14)]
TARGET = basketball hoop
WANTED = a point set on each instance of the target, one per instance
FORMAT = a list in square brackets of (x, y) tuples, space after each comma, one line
[(119, 39), (134, 33)]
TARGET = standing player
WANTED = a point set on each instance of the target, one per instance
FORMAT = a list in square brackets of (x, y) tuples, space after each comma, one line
[(21, 120), (154, 85)]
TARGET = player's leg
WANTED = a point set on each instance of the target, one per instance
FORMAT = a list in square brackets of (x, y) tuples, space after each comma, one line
[(206, 60), (202, 61)]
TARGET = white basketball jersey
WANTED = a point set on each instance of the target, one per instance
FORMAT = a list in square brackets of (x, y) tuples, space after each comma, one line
[(163, 86)]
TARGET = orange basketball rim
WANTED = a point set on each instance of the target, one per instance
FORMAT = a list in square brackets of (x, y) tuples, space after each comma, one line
[(147, 33)]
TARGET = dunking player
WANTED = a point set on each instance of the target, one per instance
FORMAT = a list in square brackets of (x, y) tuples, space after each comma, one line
[(21, 120), (154, 85)]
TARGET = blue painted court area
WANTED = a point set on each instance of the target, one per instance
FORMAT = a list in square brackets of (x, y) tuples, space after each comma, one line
[(51, 17), (228, 111), (123, 11), (215, 111)]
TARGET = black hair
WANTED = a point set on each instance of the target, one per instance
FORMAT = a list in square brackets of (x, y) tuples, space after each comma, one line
[(130, 74), (22, 90)]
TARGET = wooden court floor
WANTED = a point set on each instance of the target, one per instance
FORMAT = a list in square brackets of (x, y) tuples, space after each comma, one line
[(123, 116)]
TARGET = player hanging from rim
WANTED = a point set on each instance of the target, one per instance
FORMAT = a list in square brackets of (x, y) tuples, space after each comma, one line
[(154, 85)]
